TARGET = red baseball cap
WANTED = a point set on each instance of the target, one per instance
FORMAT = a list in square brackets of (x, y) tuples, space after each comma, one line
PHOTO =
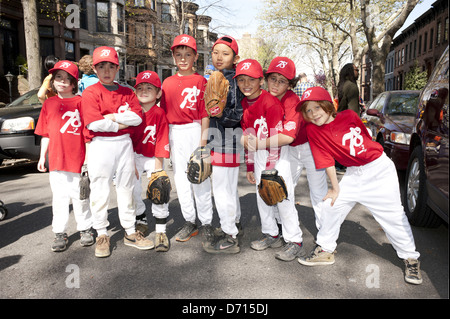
[(314, 94), (105, 54), (229, 41), (148, 77), (67, 66), (283, 66), (249, 67), (184, 39)]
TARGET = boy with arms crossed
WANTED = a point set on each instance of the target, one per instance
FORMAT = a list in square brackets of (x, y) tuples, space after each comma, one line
[(108, 112)]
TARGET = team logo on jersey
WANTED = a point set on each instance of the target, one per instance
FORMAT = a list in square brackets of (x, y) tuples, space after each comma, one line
[(74, 122), (262, 129), (356, 141), (105, 52), (281, 64), (190, 98), (290, 126), (123, 108), (151, 134)]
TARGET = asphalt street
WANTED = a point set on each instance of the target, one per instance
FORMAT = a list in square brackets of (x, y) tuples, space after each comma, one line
[(366, 265)]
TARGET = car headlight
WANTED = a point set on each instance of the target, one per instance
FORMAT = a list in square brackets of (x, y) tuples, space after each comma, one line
[(18, 124), (400, 138)]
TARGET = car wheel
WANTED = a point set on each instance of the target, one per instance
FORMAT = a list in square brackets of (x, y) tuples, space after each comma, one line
[(415, 193)]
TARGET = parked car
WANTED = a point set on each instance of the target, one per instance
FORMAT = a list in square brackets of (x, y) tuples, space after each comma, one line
[(425, 196), (17, 123), (390, 119)]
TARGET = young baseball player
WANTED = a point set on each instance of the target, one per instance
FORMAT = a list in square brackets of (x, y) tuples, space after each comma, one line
[(109, 112), (224, 140), (151, 146), (61, 128), (263, 118), (182, 100), (280, 78), (371, 179)]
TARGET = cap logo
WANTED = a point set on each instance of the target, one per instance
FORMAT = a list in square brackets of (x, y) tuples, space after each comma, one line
[(65, 65), (282, 64), (146, 75), (306, 94), (246, 65), (184, 40), (105, 52)]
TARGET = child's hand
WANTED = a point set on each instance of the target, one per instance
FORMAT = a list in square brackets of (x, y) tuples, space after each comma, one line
[(110, 116), (251, 177), (332, 194), (41, 165)]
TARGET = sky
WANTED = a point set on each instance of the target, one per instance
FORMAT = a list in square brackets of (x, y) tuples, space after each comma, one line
[(243, 16)]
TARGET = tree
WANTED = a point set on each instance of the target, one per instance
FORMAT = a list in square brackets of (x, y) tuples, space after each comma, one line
[(32, 43), (415, 79)]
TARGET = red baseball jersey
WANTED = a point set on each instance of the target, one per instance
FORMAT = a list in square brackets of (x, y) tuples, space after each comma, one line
[(61, 122), (99, 101), (151, 137), (345, 139), (264, 118), (182, 98), (292, 119)]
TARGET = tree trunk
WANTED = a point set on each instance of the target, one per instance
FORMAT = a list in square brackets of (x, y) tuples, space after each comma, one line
[(32, 43)]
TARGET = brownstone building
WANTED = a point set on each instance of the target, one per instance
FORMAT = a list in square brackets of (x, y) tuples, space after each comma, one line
[(423, 41)]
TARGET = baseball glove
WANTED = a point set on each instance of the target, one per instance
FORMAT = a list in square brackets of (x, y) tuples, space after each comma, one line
[(159, 187), (199, 166), (272, 187), (216, 93), (85, 189)]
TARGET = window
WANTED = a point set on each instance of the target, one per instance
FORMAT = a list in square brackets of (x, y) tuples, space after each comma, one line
[(406, 54), (420, 45), (83, 15), (139, 3), (403, 56), (165, 13), (120, 18), (102, 15), (431, 38), (141, 40), (446, 30), (438, 32), (415, 47), (425, 40)]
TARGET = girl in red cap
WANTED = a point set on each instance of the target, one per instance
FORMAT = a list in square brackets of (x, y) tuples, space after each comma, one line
[(263, 118), (61, 128), (371, 180), (151, 147)]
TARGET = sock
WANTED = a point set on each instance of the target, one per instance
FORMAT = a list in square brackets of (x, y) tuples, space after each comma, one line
[(102, 231), (130, 231), (160, 226)]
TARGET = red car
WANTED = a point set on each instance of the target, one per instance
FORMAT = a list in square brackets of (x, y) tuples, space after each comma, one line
[(390, 119)]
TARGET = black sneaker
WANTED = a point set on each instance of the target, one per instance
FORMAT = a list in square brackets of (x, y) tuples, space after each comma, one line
[(60, 242), (186, 232), (222, 245), (291, 251)]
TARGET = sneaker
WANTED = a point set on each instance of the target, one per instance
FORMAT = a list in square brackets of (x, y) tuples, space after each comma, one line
[(187, 231), (102, 247), (225, 244), (162, 243), (137, 240), (291, 251), (412, 271), (60, 242), (141, 224), (87, 237), (317, 257), (207, 233), (265, 242)]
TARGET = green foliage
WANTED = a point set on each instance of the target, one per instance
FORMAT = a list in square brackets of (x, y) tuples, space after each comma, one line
[(415, 79)]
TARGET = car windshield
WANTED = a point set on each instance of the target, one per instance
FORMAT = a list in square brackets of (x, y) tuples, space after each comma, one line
[(29, 98), (403, 104)]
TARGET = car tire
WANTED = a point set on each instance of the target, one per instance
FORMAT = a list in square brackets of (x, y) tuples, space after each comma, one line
[(415, 193)]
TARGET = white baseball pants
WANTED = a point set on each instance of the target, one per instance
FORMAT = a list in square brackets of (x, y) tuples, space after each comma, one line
[(286, 209), (226, 197), (65, 187), (184, 139), (374, 185), (300, 158), (108, 156), (146, 164)]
